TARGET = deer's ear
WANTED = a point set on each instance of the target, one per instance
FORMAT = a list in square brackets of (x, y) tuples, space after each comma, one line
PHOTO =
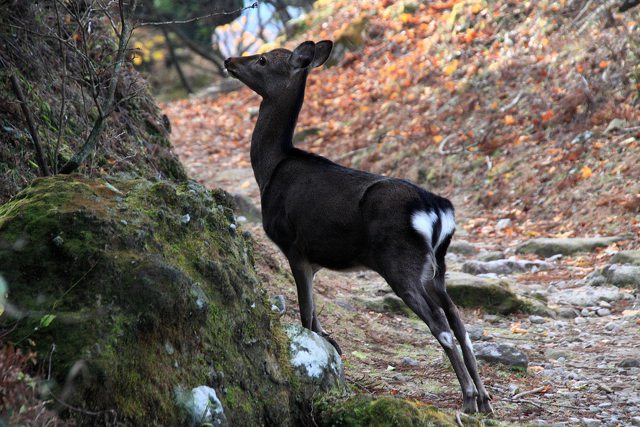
[(323, 50), (303, 55)]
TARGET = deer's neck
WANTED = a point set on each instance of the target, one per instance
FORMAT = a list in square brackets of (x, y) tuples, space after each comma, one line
[(272, 137)]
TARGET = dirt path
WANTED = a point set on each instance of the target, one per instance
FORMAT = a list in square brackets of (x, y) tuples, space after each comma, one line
[(573, 377)]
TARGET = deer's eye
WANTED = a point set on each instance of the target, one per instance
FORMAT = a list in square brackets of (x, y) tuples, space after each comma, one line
[(262, 60)]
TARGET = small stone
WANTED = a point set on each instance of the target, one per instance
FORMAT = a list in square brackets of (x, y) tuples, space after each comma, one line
[(580, 320), (462, 247), (604, 304), (537, 320), (58, 241), (556, 354), (573, 376), (490, 317), (184, 219), (232, 229), (591, 422), (629, 363), (635, 421), (566, 313), (603, 312), (503, 223), (169, 348), (408, 361), (585, 312), (612, 326), (278, 304)]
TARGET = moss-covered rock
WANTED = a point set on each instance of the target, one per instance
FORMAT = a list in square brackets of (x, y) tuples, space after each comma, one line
[(546, 247), (368, 411), (136, 291), (493, 295)]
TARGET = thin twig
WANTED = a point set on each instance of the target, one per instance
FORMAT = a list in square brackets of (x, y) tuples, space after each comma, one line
[(63, 103), (525, 393), (107, 106), (512, 103), (17, 89), (458, 420), (198, 18)]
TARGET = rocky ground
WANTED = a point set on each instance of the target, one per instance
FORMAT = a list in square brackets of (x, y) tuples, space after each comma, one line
[(573, 358)]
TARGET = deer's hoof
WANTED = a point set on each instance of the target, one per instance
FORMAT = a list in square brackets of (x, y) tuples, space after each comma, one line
[(469, 406), (484, 406)]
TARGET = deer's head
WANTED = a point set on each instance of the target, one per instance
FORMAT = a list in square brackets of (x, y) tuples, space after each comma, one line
[(279, 73)]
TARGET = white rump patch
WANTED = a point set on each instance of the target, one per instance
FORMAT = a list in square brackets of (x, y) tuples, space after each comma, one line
[(423, 223), (447, 226), (446, 339)]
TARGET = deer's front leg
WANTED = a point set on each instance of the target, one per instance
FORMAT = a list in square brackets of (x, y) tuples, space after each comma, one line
[(303, 276)]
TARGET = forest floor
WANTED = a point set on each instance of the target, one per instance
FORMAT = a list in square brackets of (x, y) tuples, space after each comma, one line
[(521, 112)]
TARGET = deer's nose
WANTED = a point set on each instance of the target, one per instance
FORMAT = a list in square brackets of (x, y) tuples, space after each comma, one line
[(227, 62)]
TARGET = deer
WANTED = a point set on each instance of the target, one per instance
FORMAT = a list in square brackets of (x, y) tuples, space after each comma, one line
[(324, 215)]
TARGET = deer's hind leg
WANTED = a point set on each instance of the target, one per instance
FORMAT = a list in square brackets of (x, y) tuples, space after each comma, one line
[(437, 289), (406, 269)]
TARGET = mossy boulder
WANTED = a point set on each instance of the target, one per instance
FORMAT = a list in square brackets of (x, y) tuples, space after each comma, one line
[(493, 295), (626, 257), (370, 411), (135, 292), (546, 247)]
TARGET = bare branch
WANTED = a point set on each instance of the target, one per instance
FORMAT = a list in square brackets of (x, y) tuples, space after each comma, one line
[(107, 106), (198, 18), (63, 103), (17, 89)]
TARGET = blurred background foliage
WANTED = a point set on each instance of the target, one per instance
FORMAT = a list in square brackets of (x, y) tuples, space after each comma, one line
[(186, 50)]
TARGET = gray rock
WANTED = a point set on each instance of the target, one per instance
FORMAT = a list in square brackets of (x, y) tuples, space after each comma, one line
[(314, 359), (546, 247), (407, 361), (635, 421), (629, 363), (388, 303), (612, 326), (626, 257), (202, 406), (586, 295), (490, 255), (462, 247), (623, 275), (504, 353), (567, 313), (536, 320), (580, 320), (503, 266), (591, 422), (476, 332), (585, 312), (556, 354), (603, 312)]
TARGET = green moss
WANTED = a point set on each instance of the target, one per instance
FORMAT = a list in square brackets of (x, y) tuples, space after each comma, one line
[(369, 411), (146, 301)]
